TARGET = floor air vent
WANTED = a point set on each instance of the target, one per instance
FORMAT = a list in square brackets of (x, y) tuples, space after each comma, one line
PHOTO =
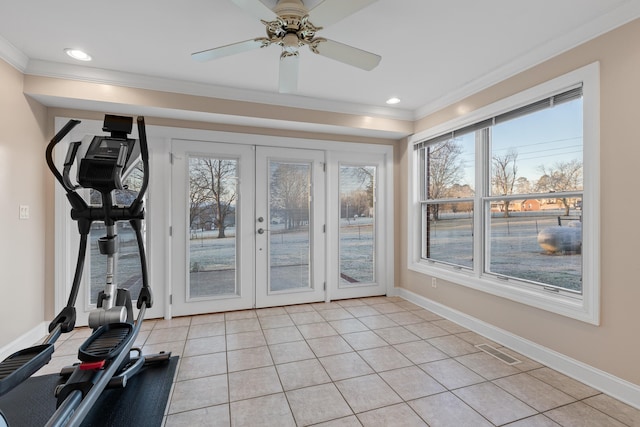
[(498, 354)]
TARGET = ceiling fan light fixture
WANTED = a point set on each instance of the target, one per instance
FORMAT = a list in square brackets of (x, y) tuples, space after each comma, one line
[(77, 54), (393, 100)]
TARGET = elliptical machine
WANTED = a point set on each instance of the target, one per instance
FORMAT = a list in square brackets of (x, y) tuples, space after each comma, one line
[(106, 359)]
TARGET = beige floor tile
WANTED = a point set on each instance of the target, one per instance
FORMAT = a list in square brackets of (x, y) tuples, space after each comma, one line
[(453, 346), (335, 314), (317, 404), (346, 365), (400, 415), (248, 358), (346, 326), (172, 323), (327, 346), (494, 404), (535, 393), (202, 366), (214, 416), (271, 410), (245, 340), (199, 393), (367, 393), (362, 311), (427, 315), (420, 352), (404, 318), (488, 366), (271, 311), (280, 335), (350, 421), (412, 383), (364, 340), (562, 382), (301, 308), (388, 307), (396, 335), (475, 339), (207, 318), (426, 330), (242, 325), (304, 373), (275, 321), (409, 305), (321, 306), (206, 330), (450, 326), (451, 374), (581, 415), (384, 358), (253, 383), (379, 321), (306, 317), (168, 335), (239, 315), (350, 303), (535, 421), (316, 330), (291, 352), (57, 363), (615, 408), (207, 345), (446, 410)]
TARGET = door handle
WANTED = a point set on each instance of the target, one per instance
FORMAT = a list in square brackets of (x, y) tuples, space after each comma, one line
[(261, 230)]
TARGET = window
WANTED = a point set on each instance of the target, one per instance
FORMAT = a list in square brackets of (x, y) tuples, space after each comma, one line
[(505, 200)]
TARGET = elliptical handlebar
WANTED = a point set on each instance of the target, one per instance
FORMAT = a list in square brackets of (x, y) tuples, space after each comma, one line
[(49, 153)]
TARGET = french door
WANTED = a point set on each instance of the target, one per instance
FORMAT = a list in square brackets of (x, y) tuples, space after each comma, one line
[(247, 227)]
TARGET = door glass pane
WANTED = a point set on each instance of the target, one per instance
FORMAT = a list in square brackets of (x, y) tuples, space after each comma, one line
[(128, 268), (357, 225), (289, 232), (213, 196)]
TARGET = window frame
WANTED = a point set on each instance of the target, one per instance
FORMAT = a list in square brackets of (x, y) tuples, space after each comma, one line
[(584, 307)]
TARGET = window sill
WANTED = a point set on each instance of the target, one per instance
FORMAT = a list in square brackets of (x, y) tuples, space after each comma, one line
[(577, 307)]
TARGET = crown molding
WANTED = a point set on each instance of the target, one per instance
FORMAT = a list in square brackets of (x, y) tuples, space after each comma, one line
[(13, 56)]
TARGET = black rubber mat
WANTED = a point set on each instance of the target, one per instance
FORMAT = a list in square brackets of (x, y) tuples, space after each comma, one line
[(141, 403)]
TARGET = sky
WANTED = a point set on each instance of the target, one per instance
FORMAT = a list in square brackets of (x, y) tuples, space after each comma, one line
[(543, 138)]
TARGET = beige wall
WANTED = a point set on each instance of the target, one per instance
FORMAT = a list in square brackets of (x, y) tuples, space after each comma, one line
[(613, 346), (22, 182)]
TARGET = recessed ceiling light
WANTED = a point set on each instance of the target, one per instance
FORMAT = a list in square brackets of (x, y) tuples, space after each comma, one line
[(393, 100), (78, 54)]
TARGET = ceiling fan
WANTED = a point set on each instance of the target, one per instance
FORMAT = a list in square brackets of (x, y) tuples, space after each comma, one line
[(290, 26)]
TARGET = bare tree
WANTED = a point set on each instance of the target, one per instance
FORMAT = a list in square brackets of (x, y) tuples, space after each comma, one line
[(562, 176), (444, 170), (212, 190), (504, 175), (290, 193)]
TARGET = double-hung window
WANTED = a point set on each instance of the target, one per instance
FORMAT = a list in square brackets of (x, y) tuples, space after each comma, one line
[(505, 199)]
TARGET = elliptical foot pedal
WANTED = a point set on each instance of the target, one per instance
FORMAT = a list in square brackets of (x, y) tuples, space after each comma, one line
[(105, 343), (22, 364)]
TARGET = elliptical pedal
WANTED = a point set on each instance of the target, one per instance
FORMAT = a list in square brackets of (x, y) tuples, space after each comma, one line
[(105, 343), (22, 364)]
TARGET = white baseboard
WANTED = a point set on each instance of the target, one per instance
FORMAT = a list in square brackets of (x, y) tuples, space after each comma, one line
[(30, 338), (615, 387)]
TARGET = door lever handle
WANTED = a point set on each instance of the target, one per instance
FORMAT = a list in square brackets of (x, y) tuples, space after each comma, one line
[(261, 230)]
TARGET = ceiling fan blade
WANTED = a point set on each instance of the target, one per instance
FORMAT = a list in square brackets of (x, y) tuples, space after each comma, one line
[(288, 74), (256, 8), (230, 49), (347, 54), (331, 11)]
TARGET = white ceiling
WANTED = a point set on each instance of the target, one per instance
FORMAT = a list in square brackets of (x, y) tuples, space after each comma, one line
[(433, 52)]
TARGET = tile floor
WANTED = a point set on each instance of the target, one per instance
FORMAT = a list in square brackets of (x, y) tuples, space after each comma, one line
[(378, 361)]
